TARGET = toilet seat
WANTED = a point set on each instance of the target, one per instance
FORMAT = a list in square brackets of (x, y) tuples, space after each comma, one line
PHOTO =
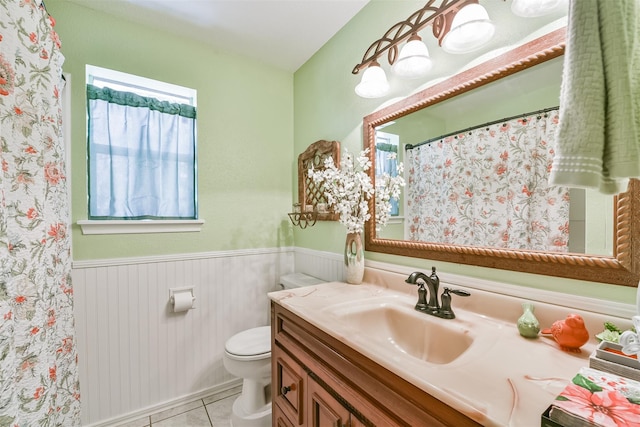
[(252, 344)]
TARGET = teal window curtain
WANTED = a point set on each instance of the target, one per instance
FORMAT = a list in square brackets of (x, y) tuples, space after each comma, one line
[(142, 157), (387, 162)]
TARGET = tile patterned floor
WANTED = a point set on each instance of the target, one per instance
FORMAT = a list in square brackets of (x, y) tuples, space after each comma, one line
[(212, 411)]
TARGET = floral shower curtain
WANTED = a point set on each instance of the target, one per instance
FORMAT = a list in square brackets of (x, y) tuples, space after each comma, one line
[(38, 364), (488, 186)]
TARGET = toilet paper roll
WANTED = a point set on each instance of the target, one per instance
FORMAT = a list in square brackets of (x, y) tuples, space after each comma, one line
[(182, 301)]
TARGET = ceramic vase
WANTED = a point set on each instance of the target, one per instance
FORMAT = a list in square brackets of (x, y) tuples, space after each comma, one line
[(528, 324), (354, 258)]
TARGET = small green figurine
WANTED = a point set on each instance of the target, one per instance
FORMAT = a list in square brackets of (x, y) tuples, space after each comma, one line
[(528, 325)]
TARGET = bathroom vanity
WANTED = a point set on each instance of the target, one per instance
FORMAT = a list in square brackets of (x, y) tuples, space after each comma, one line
[(360, 355), (319, 380)]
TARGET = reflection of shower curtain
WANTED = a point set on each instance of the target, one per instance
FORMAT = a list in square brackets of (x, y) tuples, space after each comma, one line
[(489, 186), (38, 367)]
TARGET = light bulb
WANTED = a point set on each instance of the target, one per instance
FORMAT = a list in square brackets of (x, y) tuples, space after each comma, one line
[(471, 28), (413, 61), (533, 8), (374, 82)]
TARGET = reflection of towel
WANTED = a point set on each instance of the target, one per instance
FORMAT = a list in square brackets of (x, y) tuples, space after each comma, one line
[(598, 134)]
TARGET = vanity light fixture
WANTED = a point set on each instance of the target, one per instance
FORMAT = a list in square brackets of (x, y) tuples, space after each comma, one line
[(471, 29), (414, 60), (374, 82), (533, 8), (460, 26)]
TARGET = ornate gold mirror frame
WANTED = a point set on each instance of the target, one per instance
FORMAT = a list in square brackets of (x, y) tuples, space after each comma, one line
[(623, 268)]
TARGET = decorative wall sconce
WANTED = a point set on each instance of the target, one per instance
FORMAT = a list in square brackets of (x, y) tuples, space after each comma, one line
[(303, 219), (461, 26), (312, 205)]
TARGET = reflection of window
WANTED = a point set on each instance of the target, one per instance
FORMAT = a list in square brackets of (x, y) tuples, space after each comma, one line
[(142, 147), (387, 160)]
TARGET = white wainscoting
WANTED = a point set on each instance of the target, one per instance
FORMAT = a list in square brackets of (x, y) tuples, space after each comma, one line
[(327, 266), (136, 356)]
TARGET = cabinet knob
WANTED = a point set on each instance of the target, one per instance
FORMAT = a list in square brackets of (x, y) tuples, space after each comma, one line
[(286, 389)]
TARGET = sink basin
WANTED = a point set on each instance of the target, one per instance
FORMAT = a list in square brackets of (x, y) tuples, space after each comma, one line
[(400, 328)]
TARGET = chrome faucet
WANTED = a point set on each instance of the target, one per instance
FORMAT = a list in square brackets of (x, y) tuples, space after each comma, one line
[(433, 283)]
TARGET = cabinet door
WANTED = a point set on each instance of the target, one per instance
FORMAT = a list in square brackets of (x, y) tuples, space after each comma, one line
[(288, 377), (279, 418), (323, 409)]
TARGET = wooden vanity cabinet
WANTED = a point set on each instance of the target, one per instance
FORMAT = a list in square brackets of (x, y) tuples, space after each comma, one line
[(299, 400), (319, 381)]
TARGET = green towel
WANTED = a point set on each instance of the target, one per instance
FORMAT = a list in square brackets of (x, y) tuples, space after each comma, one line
[(598, 137)]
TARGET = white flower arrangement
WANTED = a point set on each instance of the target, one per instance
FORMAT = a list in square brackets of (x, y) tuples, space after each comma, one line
[(349, 190)]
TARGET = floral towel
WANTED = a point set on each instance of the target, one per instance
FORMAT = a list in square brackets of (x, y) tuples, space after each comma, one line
[(596, 398)]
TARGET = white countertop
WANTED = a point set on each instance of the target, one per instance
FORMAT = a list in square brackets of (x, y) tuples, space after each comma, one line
[(503, 379)]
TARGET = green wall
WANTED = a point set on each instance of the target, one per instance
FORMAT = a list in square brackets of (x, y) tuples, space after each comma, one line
[(244, 133), (326, 107)]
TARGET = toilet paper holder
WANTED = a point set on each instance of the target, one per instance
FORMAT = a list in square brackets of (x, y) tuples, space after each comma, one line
[(173, 292)]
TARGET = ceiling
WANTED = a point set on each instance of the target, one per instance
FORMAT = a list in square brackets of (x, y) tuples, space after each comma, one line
[(283, 33)]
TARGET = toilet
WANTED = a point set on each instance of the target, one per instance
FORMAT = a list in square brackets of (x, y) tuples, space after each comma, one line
[(247, 355)]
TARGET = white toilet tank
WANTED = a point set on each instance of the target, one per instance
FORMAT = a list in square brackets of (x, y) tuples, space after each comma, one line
[(297, 280)]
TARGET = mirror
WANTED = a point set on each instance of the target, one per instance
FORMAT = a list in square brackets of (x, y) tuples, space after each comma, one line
[(588, 213), (603, 250)]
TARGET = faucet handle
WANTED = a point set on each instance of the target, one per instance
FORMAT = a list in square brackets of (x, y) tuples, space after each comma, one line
[(458, 292), (446, 312)]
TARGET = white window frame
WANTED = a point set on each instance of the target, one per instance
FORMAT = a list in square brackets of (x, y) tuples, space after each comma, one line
[(161, 90)]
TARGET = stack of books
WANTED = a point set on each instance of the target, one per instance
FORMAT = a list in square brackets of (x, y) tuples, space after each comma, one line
[(596, 398)]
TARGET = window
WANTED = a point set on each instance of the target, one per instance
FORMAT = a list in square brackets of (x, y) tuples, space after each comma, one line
[(141, 148), (387, 160)]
